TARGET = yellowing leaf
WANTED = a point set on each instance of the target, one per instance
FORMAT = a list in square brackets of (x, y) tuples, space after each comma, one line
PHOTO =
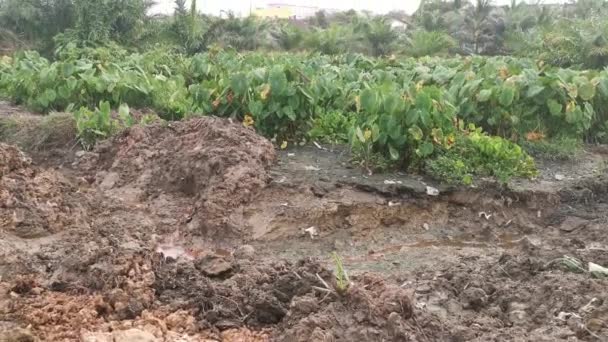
[(248, 121), (284, 145), (265, 92), (368, 134)]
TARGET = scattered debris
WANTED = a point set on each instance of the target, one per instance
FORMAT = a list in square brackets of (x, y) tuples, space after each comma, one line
[(394, 203), (432, 191), (559, 177), (311, 168), (312, 232), (597, 270), (319, 146), (485, 215)]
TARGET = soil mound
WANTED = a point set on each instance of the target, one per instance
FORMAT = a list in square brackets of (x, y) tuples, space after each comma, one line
[(35, 202), (209, 165)]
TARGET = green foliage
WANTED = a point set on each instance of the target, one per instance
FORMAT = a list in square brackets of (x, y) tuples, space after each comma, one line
[(475, 153), (332, 127), (95, 124), (102, 122), (558, 148), (428, 43), (393, 112)]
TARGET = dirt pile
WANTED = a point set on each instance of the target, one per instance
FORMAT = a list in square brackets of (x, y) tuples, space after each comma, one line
[(205, 166), (35, 202), (298, 299)]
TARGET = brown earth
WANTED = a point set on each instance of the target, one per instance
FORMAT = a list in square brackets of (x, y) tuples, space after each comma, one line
[(197, 231)]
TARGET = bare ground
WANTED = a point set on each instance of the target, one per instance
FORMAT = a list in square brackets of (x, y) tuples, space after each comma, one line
[(200, 231)]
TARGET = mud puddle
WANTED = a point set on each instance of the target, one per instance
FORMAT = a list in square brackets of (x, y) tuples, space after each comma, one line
[(198, 231)]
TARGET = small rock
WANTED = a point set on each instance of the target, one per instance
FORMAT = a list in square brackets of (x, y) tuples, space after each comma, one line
[(426, 226), (304, 305), (559, 177), (109, 181), (432, 191), (79, 154), (245, 252), (572, 223), (474, 298), (213, 265), (518, 317), (423, 289), (596, 325), (96, 337), (133, 335)]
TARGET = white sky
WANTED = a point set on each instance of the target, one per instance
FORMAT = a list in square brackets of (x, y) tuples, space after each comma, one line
[(242, 6)]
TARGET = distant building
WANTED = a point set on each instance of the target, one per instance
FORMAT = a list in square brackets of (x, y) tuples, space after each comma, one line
[(286, 11), (398, 24)]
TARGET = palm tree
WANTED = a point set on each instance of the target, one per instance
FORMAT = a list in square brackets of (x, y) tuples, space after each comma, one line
[(378, 34)]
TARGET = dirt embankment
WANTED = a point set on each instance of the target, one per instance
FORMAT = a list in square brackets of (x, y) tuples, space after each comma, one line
[(209, 166), (191, 232)]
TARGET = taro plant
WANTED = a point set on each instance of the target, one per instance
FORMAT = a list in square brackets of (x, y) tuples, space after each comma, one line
[(97, 124)]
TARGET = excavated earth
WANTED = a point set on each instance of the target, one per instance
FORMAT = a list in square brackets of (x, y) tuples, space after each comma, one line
[(201, 231)]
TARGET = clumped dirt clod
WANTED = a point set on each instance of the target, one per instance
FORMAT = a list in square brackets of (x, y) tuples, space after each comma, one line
[(35, 202), (211, 165)]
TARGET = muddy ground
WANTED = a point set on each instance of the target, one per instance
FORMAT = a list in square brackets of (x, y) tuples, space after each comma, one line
[(201, 231)]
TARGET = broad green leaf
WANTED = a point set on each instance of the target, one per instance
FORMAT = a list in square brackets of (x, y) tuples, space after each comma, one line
[(239, 84), (507, 95), (392, 103), (425, 118), (603, 86), (425, 149), (416, 133), (484, 95), (255, 108), (586, 91), (123, 110), (375, 132), (277, 80), (360, 135), (289, 113), (412, 117), (555, 108), (393, 152), (50, 95), (369, 101), (104, 107), (424, 102), (534, 91)]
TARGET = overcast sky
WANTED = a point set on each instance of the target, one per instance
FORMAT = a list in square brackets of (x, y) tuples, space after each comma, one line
[(242, 6)]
